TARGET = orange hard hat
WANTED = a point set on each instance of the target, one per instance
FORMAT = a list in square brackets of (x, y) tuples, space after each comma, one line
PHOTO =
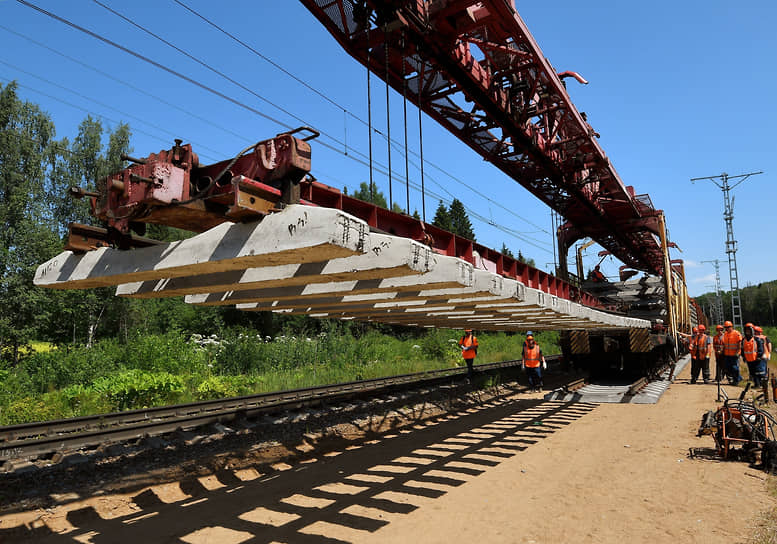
[(749, 325), (728, 324), (719, 327), (696, 329), (467, 330), (758, 329), (702, 328)]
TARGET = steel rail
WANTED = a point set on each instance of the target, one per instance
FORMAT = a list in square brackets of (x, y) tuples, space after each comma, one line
[(29, 440)]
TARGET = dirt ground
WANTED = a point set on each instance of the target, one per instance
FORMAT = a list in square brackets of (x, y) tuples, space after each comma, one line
[(517, 469)]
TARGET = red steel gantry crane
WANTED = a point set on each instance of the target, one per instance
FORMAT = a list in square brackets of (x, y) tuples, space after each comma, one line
[(474, 67)]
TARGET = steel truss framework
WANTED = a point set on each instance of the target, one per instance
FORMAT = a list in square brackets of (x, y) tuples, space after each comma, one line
[(474, 67)]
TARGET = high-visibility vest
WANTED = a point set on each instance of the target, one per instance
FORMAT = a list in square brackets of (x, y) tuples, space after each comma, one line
[(701, 346), (749, 349), (531, 357), (468, 342), (717, 343), (692, 345), (731, 342)]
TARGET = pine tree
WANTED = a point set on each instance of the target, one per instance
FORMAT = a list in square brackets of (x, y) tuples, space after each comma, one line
[(524, 260), (459, 221), (375, 196), (442, 218), (506, 252)]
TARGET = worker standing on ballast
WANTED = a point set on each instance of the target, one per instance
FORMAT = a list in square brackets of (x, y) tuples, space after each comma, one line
[(763, 364), (732, 346), (533, 362), (702, 347), (717, 344), (688, 341), (752, 353), (469, 349)]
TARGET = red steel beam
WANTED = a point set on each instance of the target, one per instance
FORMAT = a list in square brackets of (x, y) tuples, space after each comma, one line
[(444, 242)]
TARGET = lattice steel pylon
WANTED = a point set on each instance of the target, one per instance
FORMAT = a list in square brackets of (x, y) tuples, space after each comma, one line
[(717, 305), (731, 243)]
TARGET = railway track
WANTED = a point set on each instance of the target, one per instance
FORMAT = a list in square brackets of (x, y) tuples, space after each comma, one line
[(31, 441)]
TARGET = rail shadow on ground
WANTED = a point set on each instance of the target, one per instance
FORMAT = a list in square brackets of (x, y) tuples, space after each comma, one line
[(337, 498)]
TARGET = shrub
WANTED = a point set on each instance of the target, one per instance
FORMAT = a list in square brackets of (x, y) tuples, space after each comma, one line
[(219, 387), (60, 368), (81, 400), (132, 389), (162, 352), (241, 354), (29, 409), (436, 345)]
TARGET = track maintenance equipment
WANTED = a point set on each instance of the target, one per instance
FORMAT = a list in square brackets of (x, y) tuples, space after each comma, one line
[(474, 67)]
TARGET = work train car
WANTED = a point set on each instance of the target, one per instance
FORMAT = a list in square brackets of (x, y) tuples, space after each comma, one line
[(636, 352)]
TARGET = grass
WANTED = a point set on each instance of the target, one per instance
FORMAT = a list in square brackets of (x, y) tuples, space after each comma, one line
[(37, 347), (167, 369)]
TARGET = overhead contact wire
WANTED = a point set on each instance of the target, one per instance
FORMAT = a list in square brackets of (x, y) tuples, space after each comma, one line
[(217, 93), (154, 63), (348, 112)]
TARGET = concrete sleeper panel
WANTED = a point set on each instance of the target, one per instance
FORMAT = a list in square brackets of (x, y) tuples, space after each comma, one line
[(298, 234)]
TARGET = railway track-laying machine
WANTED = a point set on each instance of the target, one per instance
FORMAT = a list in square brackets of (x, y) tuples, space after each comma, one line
[(474, 67)]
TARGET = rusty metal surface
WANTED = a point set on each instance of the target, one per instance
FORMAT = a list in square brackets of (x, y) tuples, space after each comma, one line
[(82, 238), (172, 188)]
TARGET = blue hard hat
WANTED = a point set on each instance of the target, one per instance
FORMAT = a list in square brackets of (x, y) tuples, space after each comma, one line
[(529, 333)]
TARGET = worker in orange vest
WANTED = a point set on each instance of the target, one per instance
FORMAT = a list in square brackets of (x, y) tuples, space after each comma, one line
[(469, 349), (717, 344), (687, 340), (596, 275), (732, 346), (533, 362), (701, 347), (752, 353)]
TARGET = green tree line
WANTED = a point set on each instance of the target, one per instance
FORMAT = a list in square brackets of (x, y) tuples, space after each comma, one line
[(758, 303), (36, 170)]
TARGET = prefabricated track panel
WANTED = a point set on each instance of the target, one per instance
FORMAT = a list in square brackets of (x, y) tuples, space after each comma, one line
[(325, 263)]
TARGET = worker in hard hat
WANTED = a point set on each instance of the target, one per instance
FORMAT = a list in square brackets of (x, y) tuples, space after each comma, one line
[(702, 347), (763, 364), (732, 346), (692, 349), (596, 275), (687, 341), (752, 353), (533, 362), (717, 346), (469, 349)]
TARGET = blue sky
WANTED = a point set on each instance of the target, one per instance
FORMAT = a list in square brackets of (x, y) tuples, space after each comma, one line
[(677, 90)]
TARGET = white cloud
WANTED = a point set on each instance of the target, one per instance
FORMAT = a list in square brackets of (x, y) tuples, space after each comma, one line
[(709, 278)]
